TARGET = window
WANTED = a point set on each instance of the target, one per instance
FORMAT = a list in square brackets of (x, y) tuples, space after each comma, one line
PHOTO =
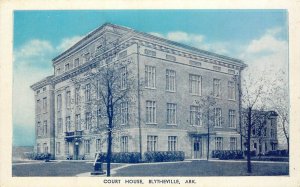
[(59, 102), (45, 104), (124, 113), (98, 89), (170, 80), (150, 112), (150, 77), (218, 117), (68, 99), (151, 143), (77, 95), (68, 124), (171, 113), (45, 128), (123, 54), (195, 84), (273, 122), (86, 57), (86, 146), (45, 148), (265, 131), (150, 52), (76, 62), (38, 148), (58, 71), (44, 89), (170, 57), (217, 68), (98, 118), (59, 126), (124, 144), (272, 133), (88, 121), (38, 129), (98, 145), (195, 116), (231, 71), (67, 67), (58, 148), (123, 78), (88, 92), (67, 148), (217, 87), (232, 119), (195, 63), (172, 143), (233, 143), (253, 131), (78, 122), (38, 106), (218, 143), (231, 90)]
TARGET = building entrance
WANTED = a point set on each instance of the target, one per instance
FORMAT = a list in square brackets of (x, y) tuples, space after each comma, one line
[(197, 147)]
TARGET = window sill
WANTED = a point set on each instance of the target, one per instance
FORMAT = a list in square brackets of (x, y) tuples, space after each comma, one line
[(151, 88), (194, 94), (196, 125), (151, 123), (171, 124), (233, 100), (170, 91)]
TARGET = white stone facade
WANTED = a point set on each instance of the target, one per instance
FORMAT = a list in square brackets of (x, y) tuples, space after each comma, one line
[(176, 71)]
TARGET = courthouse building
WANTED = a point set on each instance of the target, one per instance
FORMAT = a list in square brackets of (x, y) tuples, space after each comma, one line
[(163, 118)]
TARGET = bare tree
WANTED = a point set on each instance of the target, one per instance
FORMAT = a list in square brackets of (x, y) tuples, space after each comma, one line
[(206, 116), (253, 91), (278, 100), (111, 84)]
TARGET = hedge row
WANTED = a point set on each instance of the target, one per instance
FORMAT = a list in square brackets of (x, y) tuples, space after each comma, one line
[(37, 156), (163, 156), (122, 157), (252, 153), (227, 154), (284, 153)]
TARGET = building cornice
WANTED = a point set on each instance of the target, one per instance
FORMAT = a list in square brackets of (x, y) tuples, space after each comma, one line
[(157, 43), (42, 83), (88, 38)]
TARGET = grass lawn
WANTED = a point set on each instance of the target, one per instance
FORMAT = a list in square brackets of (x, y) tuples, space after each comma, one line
[(204, 168), (64, 168)]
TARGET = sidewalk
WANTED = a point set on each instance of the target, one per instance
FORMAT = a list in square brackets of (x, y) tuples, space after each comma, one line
[(114, 170)]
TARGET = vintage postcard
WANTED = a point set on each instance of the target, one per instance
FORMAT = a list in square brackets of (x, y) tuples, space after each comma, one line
[(150, 95)]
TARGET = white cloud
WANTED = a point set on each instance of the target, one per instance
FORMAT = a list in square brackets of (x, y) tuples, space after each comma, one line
[(67, 43), (195, 40), (266, 55), (180, 36), (32, 63)]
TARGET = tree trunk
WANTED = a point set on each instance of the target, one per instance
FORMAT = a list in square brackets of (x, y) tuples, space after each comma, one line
[(208, 137), (109, 145), (249, 169)]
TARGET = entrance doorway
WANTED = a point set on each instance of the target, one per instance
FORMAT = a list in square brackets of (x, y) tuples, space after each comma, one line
[(76, 151), (197, 147)]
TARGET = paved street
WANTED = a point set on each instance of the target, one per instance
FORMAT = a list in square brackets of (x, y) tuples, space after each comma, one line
[(187, 168)]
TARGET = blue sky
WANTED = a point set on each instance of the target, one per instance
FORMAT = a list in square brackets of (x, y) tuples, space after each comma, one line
[(259, 37)]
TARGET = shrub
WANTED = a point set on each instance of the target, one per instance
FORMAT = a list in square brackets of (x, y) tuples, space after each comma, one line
[(122, 157), (163, 156), (37, 156), (283, 152), (227, 154), (252, 153)]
